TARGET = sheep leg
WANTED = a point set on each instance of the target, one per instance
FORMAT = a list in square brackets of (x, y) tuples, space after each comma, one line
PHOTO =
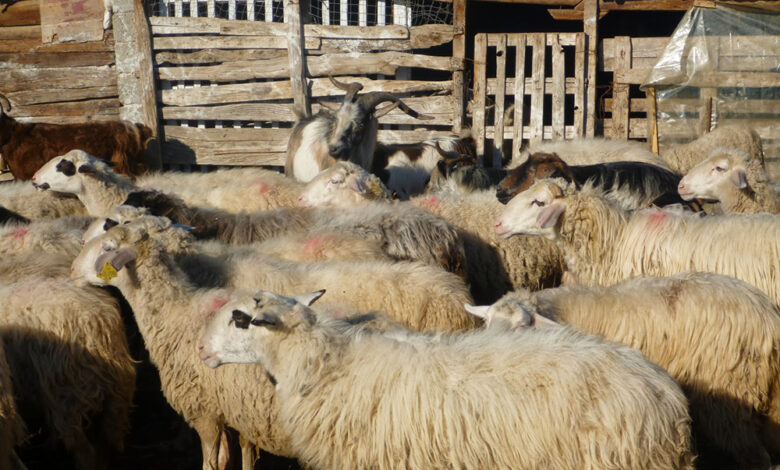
[(211, 442), (248, 455)]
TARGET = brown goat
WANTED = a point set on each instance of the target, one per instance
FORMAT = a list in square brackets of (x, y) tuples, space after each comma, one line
[(25, 147)]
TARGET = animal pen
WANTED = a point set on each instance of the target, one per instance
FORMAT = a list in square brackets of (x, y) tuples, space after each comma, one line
[(223, 81)]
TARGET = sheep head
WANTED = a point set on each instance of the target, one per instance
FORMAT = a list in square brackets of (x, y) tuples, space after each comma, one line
[(342, 185), (536, 211), (719, 177), (514, 311), (538, 166), (105, 260), (118, 215), (65, 173), (243, 330)]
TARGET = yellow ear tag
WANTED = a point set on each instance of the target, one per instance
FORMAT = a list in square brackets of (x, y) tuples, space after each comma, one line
[(108, 272)]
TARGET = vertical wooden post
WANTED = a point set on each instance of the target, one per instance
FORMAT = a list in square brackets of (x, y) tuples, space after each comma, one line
[(536, 123), (459, 95), (135, 72), (579, 85), (498, 119), (517, 135), (652, 114), (480, 88), (295, 49), (591, 19), (558, 89), (620, 91)]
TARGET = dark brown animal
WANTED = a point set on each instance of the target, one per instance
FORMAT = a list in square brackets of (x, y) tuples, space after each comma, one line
[(629, 183), (25, 147)]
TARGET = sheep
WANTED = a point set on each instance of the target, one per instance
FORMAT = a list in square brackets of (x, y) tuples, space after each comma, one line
[(363, 185), (681, 158), (477, 395), (348, 134), (461, 173), (697, 326), (406, 168), (11, 217), (739, 182), (604, 244), (60, 236), (12, 430), (23, 199), (406, 233), (589, 151), (169, 312), (27, 146), (632, 185), (69, 362), (99, 188), (493, 265)]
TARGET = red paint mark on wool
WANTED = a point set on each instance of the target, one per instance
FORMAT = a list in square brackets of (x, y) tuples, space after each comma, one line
[(657, 219), (262, 187), (430, 203), (20, 232), (216, 304), (313, 245)]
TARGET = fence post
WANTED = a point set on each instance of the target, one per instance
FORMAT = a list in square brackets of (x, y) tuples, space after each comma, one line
[(591, 20), (295, 49), (459, 94), (135, 72)]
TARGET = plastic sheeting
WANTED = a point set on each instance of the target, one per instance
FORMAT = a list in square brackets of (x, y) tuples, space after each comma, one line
[(721, 65)]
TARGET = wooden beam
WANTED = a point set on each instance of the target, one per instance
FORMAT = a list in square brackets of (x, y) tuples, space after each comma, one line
[(536, 124), (478, 108), (459, 84), (519, 93), (498, 117), (558, 89), (590, 27), (23, 13), (295, 46), (620, 91)]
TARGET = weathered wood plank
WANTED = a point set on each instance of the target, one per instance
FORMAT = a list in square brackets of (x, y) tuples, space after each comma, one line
[(652, 120), (558, 88), (579, 85), (110, 115), (547, 132), (498, 141), (55, 95), (438, 106), (420, 37), (276, 90), (70, 108), (20, 32), (459, 54), (75, 77), (55, 59), (537, 88), (227, 42), (725, 79), (519, 93), (564, 39), (590, 27), (335, 64), (620, 91), (295, 46), (570, 85), (217, 56), (478, 110), (23, 13), (30, 45)]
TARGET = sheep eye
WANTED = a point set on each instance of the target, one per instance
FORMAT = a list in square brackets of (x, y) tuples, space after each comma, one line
[(109, 223), (336, 180), (240, 319), (537, 202), (720, 169)]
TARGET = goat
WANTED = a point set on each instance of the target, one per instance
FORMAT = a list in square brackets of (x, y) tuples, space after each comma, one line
[(462, 173), (630, 184), (348, 133), (27, 146)]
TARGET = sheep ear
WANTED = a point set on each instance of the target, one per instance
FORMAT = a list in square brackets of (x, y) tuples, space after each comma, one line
[(478, 310), (308, 299), (541, 321), (739, 178), (109, 264), (355, 184), (549, 216)]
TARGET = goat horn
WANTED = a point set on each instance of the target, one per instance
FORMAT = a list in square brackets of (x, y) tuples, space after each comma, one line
[(351, 88), (5, 104), (371, 100)]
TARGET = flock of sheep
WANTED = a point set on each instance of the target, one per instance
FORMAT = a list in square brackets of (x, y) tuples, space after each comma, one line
[(441, 336)]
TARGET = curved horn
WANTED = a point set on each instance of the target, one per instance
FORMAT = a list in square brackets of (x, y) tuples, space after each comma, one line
[(350, 88), (371, 100), (5, 104)]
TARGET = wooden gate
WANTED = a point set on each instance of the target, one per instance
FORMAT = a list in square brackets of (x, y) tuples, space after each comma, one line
[(541, 76)]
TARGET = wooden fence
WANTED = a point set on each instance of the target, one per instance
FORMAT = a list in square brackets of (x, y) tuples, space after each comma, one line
[(545, 102)]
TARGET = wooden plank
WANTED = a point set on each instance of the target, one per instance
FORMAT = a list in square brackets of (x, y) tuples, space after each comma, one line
[(20, 32), (652, 118), (620, 90), (579, 85), (295, 45), (54, 59), (558, 88), (70, 108), (759, 64), (498, 118), (564, 39), (198, 26), (30, 45), (227, 42), (75, 77), (438, 106), (54, 95), (478, 110), (400, 136), (547, 132), (538, 44), (22, 13), (459, 54), (276, 90), (71, 20), (734, 79), (590, 27), (519, 94), (109, 115), (570, 85), (335, 64), (212, 56)]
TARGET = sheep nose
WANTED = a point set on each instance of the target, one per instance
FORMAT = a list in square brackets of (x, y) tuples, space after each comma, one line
[(498, 223), (681, 188)]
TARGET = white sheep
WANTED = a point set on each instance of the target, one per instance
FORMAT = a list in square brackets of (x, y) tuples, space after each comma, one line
[(735, 179), (589, 151), (22, 198), (61, 235), (717, 336), (99, 188), (69, 361), (681, 158), (12, 430), (485, 399), (362, 184), (604, 245)]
